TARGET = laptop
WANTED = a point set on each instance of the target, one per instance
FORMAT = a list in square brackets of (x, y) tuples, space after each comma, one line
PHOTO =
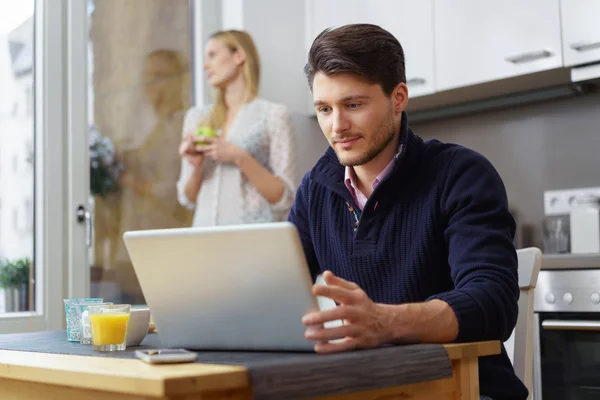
[(237, 287)]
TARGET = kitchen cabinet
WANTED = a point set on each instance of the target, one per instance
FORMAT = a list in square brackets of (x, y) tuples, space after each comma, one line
[(580, 31), (411, 22), (481, 41)]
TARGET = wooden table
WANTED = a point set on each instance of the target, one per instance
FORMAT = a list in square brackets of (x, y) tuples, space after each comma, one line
[(27, 375)]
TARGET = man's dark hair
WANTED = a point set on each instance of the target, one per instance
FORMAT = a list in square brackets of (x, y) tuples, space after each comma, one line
[(363, 49)]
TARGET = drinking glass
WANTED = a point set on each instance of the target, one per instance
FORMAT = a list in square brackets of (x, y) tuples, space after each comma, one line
[(73, 325), (109, 326)]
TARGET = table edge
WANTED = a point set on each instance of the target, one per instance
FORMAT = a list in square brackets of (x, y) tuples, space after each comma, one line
[(135, 377)]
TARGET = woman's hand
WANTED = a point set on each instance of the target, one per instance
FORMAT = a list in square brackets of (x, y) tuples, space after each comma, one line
[(221, 151), (188, 150)]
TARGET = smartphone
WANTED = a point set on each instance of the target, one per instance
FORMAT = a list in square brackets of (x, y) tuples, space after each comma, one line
[(325, 303), (165, 356)]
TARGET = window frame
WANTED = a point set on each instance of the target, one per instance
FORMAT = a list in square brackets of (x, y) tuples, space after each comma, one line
[(49, 189)]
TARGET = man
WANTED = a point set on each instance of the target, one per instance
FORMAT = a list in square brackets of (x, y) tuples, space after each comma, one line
[(414, 238)]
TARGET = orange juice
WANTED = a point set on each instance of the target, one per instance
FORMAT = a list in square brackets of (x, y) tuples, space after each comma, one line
[(109, 328)]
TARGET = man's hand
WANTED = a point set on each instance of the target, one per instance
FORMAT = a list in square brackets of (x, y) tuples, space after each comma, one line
[(365, 322), (368, 324)]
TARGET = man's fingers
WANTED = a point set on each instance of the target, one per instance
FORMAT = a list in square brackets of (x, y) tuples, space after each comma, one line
[(336, 293), (339, 346), (340, 332), (320, 317), (332, 279)]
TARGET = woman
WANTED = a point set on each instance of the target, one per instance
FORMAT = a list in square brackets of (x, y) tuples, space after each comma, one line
[(247, 174)]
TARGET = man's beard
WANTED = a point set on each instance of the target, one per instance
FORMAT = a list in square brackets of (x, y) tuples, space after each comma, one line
[(384, 135)]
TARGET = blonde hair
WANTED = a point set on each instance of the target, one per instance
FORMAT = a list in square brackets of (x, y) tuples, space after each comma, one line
[(235, 40)]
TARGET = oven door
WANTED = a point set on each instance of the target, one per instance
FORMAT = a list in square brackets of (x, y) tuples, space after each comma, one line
[(569, 348)]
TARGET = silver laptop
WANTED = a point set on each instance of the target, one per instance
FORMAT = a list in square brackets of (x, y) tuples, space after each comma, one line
[(243, 287)]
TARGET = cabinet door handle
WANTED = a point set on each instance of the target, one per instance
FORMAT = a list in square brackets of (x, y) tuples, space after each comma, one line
[(585, 46), (416, 81), (529, 56)]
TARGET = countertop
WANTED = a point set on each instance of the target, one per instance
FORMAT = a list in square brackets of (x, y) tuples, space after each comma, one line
[(571, 261)]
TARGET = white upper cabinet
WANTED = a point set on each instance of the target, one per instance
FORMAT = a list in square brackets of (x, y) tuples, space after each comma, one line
[(580, 31), (480, 41), (410, 21)]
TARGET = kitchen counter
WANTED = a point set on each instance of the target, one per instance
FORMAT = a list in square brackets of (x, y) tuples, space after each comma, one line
[(571, 261)]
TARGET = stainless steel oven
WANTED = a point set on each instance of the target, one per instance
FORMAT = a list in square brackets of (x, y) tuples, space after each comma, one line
[(567, 335)]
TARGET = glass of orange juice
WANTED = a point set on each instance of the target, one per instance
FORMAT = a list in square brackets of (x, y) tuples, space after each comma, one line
[(109, 326)]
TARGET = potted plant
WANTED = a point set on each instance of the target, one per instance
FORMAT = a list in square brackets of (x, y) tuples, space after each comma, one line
[(14, 282), (105, 167), (105, 172)]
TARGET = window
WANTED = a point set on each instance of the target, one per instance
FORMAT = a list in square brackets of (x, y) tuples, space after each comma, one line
[(150, 73), (28, 215), (16, 135), (29, 101), (15, 216), (29, 153)]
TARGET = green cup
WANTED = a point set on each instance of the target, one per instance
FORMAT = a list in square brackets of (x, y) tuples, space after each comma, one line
[(205, 132)]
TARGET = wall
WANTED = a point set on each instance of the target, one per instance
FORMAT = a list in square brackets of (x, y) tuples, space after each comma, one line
[(278, 29), (310, 142), (232, 14), (551, 145)]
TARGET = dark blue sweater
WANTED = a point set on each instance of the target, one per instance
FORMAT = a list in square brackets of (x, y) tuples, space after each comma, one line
[(441, 230)]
